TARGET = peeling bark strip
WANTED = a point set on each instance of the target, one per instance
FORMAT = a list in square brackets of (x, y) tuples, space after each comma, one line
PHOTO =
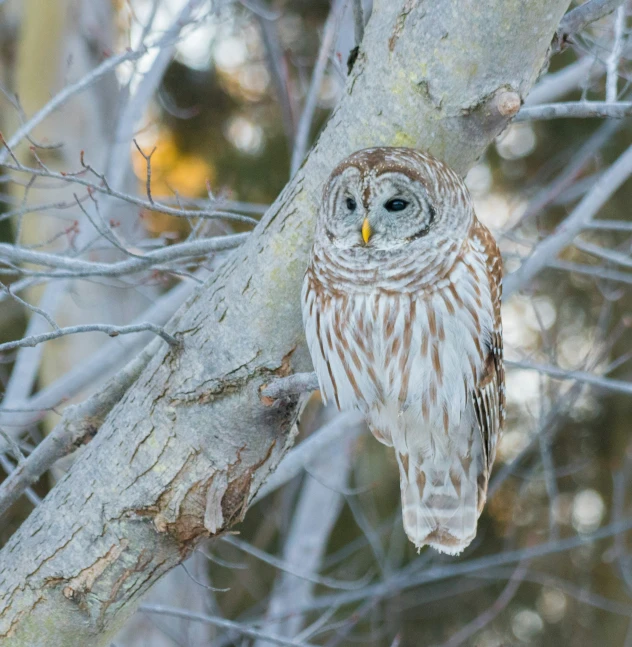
[(400, 22), (181, 455)]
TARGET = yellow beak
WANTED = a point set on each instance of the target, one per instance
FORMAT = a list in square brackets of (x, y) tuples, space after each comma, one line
[(366, 231)]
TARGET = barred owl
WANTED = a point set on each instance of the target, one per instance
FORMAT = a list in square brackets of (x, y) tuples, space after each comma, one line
[(401, 306)]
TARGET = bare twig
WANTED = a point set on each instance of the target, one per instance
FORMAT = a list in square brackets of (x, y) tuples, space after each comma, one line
[(547, 251), (279, 72), (297, 458), (8, 468), (467, 631), (579, 18), (358, 20), (579, 160), (34, 309), (612, 65), (74, 267), (326, 49), (221, 622), (296, 568), (607, 254), (292, 385), (147, 159), (411, 577), (584, 377), (109, 357), (555, 85), (69, 91), (576, 110), (112, 331), (314, 518), (106, 189), (118, 161)]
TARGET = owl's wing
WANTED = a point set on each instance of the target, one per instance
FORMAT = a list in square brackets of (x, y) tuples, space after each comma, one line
[(489, 399), (489, 394)]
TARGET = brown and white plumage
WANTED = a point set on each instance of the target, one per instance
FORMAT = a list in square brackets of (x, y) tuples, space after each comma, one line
[(401, 305)]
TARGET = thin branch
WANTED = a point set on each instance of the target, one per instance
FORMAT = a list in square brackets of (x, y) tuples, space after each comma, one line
[(109, 357), (313, 520), (576, 110), (467, 631), (611, 225), (259, 10), (579, 18), (119, 158), (8, 468), (104, 188), (97, 73), (546, 252), (295, 384), (34, 309), (607, 254), (409, 577), (69, 91), (595, 271), (612, 64), (619, 386), (27, 363), (326, 50), (580, 593), (112, 331), (147, 159), (12, 447), (578, 161), (76, 267), (221, 622), (358, 21), (279, 72), (555, 85), (296, 459), (296, 571)]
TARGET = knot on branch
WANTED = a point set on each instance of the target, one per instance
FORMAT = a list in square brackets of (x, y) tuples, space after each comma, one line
[(507, 103)]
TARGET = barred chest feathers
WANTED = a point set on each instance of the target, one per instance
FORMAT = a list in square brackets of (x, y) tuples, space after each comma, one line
[(413, 355)]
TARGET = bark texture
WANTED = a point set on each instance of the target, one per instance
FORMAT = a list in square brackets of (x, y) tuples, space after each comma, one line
[(181, 455)]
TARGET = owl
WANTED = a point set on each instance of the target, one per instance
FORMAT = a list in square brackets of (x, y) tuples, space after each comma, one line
[(401, 307)]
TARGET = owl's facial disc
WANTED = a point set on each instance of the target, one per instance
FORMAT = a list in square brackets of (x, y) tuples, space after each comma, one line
[(377, 211)]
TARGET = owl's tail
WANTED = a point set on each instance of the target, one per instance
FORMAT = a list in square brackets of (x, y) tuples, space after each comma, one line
[(442, 498)]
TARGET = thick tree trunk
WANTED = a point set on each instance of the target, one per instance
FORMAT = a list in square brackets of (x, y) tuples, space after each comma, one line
[(183, 453)]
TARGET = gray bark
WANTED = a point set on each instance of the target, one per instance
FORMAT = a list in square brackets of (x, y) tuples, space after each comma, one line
[(182, 454)]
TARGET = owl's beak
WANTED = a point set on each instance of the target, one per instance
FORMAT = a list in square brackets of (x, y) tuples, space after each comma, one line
[(366, 231)]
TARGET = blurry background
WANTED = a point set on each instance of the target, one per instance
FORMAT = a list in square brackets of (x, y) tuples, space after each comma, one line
[(220, 100)]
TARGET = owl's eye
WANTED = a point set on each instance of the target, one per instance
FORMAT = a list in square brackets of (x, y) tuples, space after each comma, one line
[(351, 204), (396, 204)]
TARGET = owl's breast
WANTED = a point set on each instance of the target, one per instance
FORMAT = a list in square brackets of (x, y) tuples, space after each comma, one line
[(395, 354)]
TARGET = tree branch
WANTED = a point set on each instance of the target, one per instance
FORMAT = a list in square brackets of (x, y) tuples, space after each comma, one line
[(579, 18), (576, 110), (546, 252), (112, 331)]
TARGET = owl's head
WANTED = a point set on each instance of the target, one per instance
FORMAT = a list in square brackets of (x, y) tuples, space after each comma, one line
[(387, 198)]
